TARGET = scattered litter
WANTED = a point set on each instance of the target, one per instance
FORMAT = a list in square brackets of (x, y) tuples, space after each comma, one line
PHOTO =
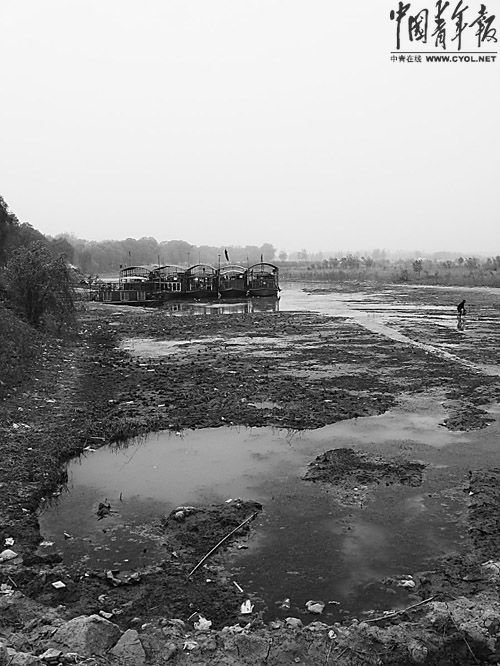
[(190, 645), (102, 598), (203, 624), (9, 541), (236, 629), (492, 567), (405, 581), (58, 584), (285, 604), (46, 544), (294, 622), (89, 449), (7, 590), (176, 622), (240, 589), (116, 578), (105, 615), (316, 607), (67, 535), (7, 555), (246, 607), (181, 512)]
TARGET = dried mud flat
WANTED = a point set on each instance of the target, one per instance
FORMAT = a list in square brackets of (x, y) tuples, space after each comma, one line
[(290, 370)]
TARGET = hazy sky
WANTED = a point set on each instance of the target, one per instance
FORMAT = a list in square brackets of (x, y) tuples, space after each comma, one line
[(230, 122)]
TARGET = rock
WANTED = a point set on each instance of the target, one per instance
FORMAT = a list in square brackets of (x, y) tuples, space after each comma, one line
[(4, 655), (293, 622), (7, 555), (87, 635), (169, 651), (417, 651), (129, 649), (316, 607), (23, 659), (51, 656)]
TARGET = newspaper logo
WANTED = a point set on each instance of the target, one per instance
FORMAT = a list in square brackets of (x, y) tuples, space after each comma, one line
[(444, 27)]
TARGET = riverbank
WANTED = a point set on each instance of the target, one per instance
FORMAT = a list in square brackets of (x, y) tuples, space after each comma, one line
[(289, 370)]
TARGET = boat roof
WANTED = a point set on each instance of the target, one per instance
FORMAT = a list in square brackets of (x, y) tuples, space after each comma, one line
[(137, 269), (232, 268), (263, 265), (201, 268), (172, 267)]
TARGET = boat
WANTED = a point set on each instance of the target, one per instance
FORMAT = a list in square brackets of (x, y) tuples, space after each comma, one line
[(232, 281), (200, 282), (262, 280), (168, 281), (133, 288), (156, 284)]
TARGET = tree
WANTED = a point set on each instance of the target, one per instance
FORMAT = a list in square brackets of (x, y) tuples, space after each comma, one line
[(13, 234), (38, 285), (267, 251), (417, 266)]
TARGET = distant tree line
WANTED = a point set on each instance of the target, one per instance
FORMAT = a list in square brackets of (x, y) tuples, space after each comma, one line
[(101, 257), (460, 271)]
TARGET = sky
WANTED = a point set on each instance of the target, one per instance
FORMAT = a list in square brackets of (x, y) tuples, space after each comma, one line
[(235, 122)]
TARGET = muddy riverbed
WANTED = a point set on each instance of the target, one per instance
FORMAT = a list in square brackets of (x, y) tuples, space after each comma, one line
[(356, 428)]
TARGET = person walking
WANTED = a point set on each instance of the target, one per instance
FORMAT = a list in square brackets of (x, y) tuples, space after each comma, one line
[(461, 315)]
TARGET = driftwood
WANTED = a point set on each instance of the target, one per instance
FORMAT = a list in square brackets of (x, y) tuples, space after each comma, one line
[(400, 612), (205, 557)]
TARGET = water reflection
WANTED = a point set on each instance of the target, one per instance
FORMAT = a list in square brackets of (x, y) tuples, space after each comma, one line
[(248, 306), (305, 544)]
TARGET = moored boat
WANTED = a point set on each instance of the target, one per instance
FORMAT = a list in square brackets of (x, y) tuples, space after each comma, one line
[(169, 281), (232, 282), (263, 280), (200, 282)]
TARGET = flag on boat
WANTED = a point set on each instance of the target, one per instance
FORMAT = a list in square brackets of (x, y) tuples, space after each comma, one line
[(226, 255)]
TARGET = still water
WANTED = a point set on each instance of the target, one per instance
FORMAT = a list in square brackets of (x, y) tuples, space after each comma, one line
[(304, 544)]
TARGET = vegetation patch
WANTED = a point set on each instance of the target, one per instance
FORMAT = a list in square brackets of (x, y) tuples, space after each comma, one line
[(20, 347)]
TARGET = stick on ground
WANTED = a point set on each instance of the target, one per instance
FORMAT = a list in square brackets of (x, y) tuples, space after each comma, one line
[(205, 557), (403, 610)]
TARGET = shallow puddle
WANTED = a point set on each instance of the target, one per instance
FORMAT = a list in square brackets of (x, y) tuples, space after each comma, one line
[(305, 544), (158, 348)]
